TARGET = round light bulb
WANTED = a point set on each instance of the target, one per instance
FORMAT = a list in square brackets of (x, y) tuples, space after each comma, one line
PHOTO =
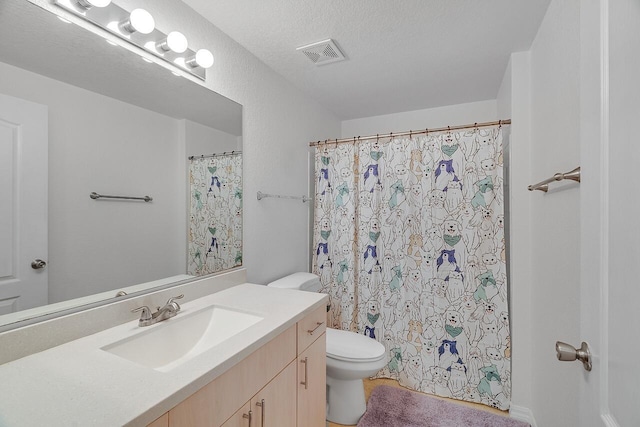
[(88, 4), (175, 41), (203, 58), (139, 20)]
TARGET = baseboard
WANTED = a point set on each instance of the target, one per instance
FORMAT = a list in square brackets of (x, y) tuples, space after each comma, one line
[(521, 413)]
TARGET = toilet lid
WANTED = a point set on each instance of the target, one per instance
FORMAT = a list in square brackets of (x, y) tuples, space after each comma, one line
[(349, 346)]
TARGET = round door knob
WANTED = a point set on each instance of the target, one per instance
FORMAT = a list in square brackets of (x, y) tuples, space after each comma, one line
[(38, 264), (568, 353)]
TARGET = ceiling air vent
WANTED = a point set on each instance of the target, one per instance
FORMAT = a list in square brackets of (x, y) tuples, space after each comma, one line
[(324, 52)]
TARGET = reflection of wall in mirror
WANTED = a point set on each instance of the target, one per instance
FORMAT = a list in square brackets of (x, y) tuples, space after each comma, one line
[(100, 144), (202, 139)]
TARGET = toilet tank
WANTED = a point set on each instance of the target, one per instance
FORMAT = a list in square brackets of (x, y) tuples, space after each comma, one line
[(299, 281)]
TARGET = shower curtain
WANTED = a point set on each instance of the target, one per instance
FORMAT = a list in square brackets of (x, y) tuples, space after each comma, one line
[(215, 213), (409, 244)]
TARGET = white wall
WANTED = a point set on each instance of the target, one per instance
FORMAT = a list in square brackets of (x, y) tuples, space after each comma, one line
[(450, 115), (555, 220), (95, 144), (514, 101)]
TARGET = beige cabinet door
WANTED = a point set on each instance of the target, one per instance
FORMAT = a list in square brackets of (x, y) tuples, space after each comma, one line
[(275, 405), (244, 417), (312, 384)]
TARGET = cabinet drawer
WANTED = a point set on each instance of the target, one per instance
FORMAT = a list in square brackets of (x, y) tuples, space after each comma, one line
[(311, 327)]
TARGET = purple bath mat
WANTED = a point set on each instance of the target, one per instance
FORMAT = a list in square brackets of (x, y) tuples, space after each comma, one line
[(396, 407)]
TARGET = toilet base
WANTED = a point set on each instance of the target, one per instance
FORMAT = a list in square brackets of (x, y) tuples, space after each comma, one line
[(345, 401)]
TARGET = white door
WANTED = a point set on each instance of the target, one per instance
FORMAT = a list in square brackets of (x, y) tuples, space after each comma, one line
[(610, 211), (23, 203)]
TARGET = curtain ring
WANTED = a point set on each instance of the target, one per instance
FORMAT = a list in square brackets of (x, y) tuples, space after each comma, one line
[(426, 131), (499, 124), (410, 134), (377, 137)]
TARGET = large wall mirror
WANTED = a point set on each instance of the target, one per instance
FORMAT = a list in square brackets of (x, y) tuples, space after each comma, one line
[(79, 115)]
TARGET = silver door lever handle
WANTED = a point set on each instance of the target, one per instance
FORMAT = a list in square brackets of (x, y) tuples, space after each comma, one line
[(568, 353)]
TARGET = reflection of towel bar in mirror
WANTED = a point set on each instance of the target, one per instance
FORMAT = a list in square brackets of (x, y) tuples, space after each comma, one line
[(262, 195), (573, 175), (96, 196)]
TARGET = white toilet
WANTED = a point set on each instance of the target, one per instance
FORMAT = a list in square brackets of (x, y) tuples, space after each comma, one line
[(350, 358)]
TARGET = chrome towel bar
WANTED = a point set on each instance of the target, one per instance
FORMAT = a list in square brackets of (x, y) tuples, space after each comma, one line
[(96, 196), (573, 175), (262, 195)]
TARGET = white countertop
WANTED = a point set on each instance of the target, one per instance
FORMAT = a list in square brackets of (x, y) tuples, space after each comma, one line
[(78, 384)]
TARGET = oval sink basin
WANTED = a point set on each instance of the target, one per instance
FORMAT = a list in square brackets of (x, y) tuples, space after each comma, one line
[(172, 342)]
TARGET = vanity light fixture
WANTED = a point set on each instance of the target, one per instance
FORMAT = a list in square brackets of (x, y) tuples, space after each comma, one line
[(174, 42), (88, 4), (138, 28), (202, 58), (139, 20)]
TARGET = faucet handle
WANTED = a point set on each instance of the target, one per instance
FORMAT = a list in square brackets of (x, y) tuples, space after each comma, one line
[(146, 313), (172, 301)]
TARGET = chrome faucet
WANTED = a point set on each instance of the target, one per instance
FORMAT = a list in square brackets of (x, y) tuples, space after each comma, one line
[(170, 309)]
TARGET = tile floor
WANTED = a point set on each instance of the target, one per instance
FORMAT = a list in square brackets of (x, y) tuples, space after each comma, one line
[(369, 385)]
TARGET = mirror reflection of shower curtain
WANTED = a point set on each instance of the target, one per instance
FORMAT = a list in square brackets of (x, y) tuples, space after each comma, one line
[(409, 244), (215, 213)]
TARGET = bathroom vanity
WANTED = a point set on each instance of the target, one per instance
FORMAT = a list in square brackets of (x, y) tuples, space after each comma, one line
[(272, 372), (280, 384)]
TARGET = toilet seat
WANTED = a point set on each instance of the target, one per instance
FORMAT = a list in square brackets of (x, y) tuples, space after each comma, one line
[(352, 347)]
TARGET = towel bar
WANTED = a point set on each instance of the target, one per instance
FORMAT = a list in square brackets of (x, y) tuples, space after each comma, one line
[(573, 175), (96, 196)]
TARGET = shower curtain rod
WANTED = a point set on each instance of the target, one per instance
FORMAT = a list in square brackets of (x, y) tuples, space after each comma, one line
[(410, 133), (205, 156)]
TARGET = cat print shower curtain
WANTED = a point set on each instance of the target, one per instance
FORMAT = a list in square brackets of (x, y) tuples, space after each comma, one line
[(409, 244), (215, 213)]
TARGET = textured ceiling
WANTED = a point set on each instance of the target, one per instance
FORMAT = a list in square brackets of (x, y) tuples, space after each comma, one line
[(402, 55)]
